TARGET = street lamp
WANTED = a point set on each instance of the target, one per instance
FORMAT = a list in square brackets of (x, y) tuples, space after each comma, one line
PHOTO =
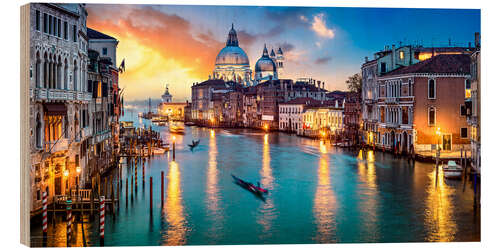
[(266, 127), (438, 133)]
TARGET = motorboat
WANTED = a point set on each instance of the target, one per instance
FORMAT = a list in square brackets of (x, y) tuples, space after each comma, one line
[(176, 130), (452, 170), (158, 151)]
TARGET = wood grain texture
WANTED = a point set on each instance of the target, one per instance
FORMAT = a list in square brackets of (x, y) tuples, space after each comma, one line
[(25, 128)]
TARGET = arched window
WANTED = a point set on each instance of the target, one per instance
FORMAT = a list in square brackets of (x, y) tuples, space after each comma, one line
[(45, 71), (38, 132), (37, 70), (75, 76), (59, 73), (76, 127), (431, 87), (432, 116), (66, 72)]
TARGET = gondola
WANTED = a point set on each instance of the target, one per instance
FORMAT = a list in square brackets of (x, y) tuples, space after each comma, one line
[(249, 186), (194, 144)]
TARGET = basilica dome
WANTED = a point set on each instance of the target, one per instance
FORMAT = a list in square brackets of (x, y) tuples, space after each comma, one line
[(232, 64), (231, 55)]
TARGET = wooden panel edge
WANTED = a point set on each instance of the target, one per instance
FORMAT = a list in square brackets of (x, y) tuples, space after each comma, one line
[(24, 112)]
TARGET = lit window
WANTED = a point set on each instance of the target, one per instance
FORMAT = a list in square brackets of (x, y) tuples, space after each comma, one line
[(467, 89), (401, 55)]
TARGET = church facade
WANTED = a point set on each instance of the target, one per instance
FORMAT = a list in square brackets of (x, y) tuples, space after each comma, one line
[(232, 64)]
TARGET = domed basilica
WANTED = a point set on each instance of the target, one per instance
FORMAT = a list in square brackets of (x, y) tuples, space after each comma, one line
[(232, 64)]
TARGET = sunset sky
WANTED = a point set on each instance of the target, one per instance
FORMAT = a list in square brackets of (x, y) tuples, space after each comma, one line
[(177, 44)]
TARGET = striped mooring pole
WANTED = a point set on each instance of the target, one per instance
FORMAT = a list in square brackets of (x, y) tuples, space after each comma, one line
[(44, 218), (101, 220), (68, 222)]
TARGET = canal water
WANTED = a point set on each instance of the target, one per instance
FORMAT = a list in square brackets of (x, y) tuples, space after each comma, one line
[(317, 194)]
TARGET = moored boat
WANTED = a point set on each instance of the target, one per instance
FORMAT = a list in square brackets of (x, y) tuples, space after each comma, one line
[(452, 170), (176, 130)]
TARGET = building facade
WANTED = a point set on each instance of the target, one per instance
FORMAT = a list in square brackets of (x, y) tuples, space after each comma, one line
[(369, 96), (473, 106), (59, 98), (290, 113), (352, 117), (419, 107), (324, 121)]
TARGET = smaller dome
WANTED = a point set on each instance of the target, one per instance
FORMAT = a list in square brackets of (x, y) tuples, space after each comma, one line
[(265, 63)]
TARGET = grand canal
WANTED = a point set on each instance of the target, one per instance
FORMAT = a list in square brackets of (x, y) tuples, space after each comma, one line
[(317, 194)]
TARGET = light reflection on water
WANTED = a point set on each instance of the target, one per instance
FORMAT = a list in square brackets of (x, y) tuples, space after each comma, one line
[(213, 196), (439, 209), (174, 209), (324, 200), (266, 209)]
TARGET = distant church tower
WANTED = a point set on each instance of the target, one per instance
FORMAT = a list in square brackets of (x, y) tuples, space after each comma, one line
[(279, 61), (166, 97)]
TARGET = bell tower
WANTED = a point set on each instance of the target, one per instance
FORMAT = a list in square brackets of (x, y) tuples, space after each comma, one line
[(279, 62)]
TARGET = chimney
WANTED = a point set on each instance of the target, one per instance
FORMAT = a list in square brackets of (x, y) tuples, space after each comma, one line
[(476, 40), (323, 85), (366, 59), (393, 56)]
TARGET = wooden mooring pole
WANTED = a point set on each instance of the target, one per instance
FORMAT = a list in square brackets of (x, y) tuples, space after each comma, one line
[(126, 192), (162, 187), (151, 195)]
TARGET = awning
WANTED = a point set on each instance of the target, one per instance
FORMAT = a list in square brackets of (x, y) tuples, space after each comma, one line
[(54, 109)]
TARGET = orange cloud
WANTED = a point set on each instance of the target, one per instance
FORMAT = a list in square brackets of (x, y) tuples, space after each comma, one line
[(158, 48), (319, 26)]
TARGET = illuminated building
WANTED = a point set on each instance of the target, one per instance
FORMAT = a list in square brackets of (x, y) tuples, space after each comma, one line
[(173, 110), (414, 101)]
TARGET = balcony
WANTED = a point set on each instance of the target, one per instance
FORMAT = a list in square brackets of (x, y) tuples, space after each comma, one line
[(391, 100), (86, 132), (391, 125), (60, 94), (57, 146)]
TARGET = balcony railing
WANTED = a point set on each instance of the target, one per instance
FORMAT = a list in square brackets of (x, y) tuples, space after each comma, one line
[(60, 94), (56, 146), (391, 100), (392, 125)]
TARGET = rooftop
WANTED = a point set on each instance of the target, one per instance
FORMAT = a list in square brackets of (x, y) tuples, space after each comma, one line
[(443, 64), (94, 34)]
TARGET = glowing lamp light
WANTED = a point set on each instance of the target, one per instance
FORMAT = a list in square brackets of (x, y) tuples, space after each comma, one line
[(322, 133), (78, 170), (66, 173), (438, 131), (266, 127)]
